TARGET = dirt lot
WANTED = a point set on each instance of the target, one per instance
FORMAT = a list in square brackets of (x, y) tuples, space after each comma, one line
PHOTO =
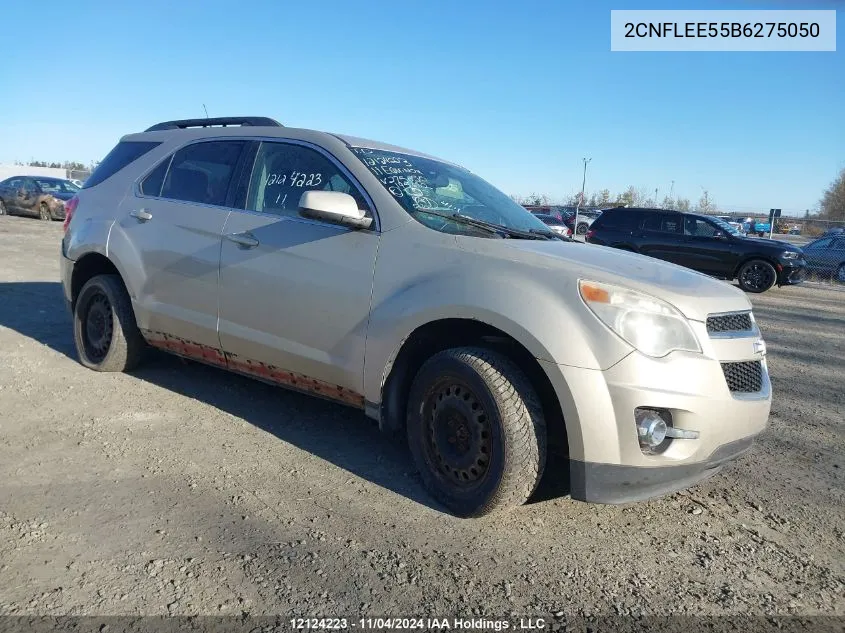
[(184, 489)]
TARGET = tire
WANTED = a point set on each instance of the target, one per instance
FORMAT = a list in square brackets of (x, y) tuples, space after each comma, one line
[(485, 451), (760, 234), (44, 212), (104, 328), (840, 273), (582, 228), (2, 208), (756, 276)]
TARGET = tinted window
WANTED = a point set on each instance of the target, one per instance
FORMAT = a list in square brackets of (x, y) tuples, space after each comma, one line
[(663, 222), (622, 220), (202, 172), (699, 228), (151, 185), (822, 243), (284, 171), (123, 153), (839, 244)]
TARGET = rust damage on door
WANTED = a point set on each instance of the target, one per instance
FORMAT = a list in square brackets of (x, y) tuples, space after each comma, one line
[(269, 373)]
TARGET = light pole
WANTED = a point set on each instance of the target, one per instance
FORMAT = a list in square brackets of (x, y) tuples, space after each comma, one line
[(581, 201)]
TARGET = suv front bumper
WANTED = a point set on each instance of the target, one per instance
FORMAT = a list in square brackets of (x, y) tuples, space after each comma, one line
[(793, 273), (606, 462)]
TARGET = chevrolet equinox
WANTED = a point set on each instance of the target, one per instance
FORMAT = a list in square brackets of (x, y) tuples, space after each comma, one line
[(410, 288)]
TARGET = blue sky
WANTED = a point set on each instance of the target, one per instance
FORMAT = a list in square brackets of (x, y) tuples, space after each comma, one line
[(518, 92)]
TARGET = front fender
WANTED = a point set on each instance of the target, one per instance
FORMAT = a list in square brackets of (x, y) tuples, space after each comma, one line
[(413, 287)]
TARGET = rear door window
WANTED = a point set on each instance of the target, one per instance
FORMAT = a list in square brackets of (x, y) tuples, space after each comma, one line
[(202, 172), (664, 223), (152, 184), (617, 220), (122, 155)]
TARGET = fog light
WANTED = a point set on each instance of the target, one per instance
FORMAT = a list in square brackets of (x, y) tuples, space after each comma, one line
[(651, 428)]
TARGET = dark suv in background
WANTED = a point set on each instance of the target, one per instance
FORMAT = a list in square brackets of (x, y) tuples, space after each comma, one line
[(703, 243)]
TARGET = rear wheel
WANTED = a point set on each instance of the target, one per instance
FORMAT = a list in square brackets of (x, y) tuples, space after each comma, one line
[(2, 208), (756, 275), (44, 212), (476, 431), (582, 228), (104, 328)]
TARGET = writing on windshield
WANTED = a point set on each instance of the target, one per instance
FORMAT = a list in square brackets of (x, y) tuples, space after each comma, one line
[(418, 184)]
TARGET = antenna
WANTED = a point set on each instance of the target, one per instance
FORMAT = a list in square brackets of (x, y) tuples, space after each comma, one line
[(206, 110)]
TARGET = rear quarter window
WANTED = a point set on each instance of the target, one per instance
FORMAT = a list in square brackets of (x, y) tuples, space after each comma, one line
[(617, 220), (123, 154)]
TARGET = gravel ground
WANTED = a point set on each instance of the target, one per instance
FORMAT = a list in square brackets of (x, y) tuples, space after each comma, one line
[(182, 489)]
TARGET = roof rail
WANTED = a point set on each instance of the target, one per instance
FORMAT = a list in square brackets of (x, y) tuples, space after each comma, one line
[(218, 121)]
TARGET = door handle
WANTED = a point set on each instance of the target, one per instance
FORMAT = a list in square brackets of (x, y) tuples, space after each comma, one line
[(244, 240), (142, 214)]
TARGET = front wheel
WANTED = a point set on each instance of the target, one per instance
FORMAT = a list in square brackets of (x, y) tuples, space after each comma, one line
[(104, 328), (582, 228), (2, 208), (757, 276), (476, 431)]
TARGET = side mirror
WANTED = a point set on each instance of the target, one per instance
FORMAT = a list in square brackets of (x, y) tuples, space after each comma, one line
[(335, 207)]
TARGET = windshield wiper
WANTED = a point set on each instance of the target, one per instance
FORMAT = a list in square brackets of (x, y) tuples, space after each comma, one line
[(492, 227)]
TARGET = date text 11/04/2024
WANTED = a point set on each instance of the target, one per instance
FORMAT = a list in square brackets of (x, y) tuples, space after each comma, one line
[(721, 29), (423, 624)]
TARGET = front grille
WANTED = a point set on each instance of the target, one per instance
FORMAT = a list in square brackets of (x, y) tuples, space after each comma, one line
[(744, 377), (734, 322)]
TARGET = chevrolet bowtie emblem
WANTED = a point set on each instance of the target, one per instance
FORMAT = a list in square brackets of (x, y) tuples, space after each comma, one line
[(760, 347)]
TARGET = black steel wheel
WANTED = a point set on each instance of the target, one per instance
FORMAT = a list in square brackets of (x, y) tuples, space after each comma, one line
[(757, 276), (98, 331), (458, 438), (104, 328), (476, 431)]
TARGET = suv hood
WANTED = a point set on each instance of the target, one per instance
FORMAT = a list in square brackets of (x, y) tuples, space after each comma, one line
[(696, 295), (764, 242)]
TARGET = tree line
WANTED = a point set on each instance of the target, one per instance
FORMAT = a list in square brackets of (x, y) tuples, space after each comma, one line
[(832, 204), (68, 164)]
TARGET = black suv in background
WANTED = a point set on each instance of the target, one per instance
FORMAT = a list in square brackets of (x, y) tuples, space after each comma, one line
[(703, 243)]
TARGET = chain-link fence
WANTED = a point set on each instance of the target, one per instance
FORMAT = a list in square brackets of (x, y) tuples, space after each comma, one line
[(825, 251)]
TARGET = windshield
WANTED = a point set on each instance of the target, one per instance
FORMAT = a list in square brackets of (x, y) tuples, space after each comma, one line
[(56, 186), (424, 184), (724, 226)]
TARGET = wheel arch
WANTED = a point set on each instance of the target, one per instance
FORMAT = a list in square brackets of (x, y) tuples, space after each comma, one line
[(88, 266), (438, 335)]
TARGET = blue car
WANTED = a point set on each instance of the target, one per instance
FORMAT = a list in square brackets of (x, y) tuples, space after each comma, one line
[(760, 227)]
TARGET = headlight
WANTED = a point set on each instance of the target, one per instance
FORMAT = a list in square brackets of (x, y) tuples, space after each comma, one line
[(649, 324), (790, 255)]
